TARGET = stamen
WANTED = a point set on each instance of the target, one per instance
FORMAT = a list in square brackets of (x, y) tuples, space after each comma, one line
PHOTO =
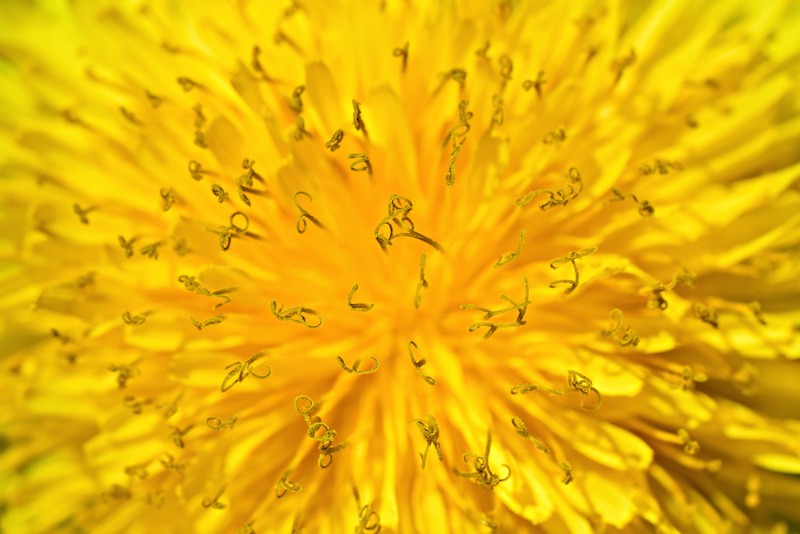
[(359, 307), (214, 503), (129, 116), (192, 285), (244, 183), (242, 370), (506, 68), (430, 433), (306, 409), (300, 130), (220, 193), (555, 136), (483, 52), (177, 435), (301, 224), (483, 474), (296, 315), (418, 364), (127, 246), (463, 126), (83, 212), (561, 197), (399, 208), (125, 372), (215, 423), (690, 446), (511, 256), (335, 141), (706, 314), (196, 170), (402, 52), (688, 378), (451, 171), (537, 84), (362, 163), (644, 207), (368, 521), (59, 336), (755, 306), (657, 299), (133, 320), (199, 118), (295, 102), (498, 115), (85, 280), (622, 63), (170, 409), (135, 406), (151, 250), (354, 369), (492, 327), (169, 463), (565, 467), (583, 385), (526, 388), (358, 122), (457, 75), (214, 320), (422, 282), (188, 84), (200, 139), (571, 257), (628, 337), (167, 198), (522, 430), (155, 100), (285, 485), (138, 471), (256, 64)]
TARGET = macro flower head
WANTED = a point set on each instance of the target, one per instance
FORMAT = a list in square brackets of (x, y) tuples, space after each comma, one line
[(399, 266)]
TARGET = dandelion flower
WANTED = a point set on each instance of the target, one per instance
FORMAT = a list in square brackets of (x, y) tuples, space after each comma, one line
[(404, 266)]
